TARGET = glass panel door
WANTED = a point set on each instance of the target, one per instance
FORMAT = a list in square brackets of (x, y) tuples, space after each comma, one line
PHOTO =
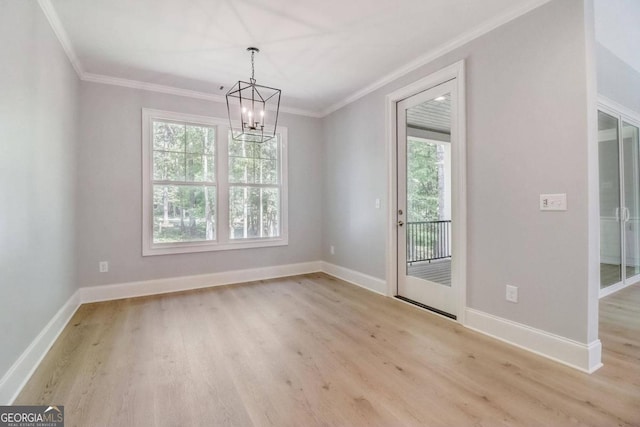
[(610, 212), (428, 225), (631, 214), (427, 147)]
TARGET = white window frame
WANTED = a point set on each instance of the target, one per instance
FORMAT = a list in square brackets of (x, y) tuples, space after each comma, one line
[(223, 240)]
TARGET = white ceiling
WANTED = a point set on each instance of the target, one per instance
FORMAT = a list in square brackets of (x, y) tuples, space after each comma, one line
[(617, 24), (320, 53)]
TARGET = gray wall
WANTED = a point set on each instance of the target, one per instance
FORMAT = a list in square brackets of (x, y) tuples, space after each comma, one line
[(617, 80), (526, 135), (38, 119), (110, 191)]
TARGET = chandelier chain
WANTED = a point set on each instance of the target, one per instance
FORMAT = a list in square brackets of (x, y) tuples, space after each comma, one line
[(253, 69)]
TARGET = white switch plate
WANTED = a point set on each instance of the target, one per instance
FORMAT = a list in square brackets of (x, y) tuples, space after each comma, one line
[(104, 266), (333, 250), (553, 202), (512, 293), (377, 203)]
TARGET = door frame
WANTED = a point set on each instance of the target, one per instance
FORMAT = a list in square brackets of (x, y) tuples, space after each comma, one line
[(621, 113), (459, 164)]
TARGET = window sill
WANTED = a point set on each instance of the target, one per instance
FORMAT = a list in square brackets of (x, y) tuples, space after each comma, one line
[(194, 247)]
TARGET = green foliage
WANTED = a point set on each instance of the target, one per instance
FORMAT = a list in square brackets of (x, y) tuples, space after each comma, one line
[(188, 215), (253, 163), (183, 155), (254, 211), (425, 185), (423, 161), (184, 195)]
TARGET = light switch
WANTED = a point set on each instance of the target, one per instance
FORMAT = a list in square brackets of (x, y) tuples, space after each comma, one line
[(553, 202), (377, 203)]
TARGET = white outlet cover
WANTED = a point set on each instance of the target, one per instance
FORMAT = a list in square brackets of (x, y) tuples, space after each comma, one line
[(512, 293)]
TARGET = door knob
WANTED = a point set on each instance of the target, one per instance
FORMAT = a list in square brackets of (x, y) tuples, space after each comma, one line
[(400, 223)]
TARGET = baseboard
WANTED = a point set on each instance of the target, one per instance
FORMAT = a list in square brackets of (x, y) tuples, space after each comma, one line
[(184, 283), (17, 376), (584, 357), (365, 281)]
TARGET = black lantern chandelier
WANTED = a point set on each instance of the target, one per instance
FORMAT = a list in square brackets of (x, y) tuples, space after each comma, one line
[(254, 108)]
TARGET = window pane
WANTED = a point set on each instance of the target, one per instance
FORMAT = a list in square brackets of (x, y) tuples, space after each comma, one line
[(254, 212), (168, 166), (269, 172), (200, 168), (168, 136), (183, 213), (200, 139), (254, 163), (241, 170)]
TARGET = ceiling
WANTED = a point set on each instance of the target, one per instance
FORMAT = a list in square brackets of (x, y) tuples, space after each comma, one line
[(617, 27), (322, 54)]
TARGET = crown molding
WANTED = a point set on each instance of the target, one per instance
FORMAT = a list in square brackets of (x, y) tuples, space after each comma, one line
[(152, 87), (172, 90), (436, 53), (52, 16)]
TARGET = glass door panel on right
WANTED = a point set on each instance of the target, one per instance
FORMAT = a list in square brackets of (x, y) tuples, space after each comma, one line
[(619, 171), (610, 215), (631, 208)]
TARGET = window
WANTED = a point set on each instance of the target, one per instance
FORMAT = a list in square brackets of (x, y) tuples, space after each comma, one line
[(203, 191)]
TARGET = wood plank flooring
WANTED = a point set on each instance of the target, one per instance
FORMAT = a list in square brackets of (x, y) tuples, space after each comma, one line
[(313, 350)]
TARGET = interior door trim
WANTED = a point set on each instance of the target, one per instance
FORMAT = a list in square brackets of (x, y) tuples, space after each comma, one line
[(459, 215)]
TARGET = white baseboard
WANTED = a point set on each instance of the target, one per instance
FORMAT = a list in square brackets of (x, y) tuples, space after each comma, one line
[(584, 357), (371, 283), (17, 376), (185, 283)]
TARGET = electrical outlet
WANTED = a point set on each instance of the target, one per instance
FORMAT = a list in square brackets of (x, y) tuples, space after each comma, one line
[(512, 293), (333, 250), (377, 203), (104, 266)]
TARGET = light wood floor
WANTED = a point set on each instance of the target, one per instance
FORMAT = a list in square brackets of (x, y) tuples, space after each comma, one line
[(312, 350)]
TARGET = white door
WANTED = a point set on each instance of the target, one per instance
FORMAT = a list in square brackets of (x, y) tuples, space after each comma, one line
[(427, 152)]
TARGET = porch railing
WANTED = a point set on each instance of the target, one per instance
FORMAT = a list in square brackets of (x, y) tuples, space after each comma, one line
[(428, 240)]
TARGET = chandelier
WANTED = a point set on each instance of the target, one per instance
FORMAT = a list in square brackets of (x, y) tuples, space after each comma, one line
[(254, 107)]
